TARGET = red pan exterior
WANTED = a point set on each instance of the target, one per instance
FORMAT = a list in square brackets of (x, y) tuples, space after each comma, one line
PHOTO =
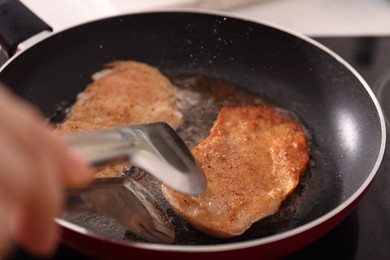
[(98, 247)]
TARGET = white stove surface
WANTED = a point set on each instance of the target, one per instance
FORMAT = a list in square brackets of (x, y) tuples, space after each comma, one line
[(311, 17)]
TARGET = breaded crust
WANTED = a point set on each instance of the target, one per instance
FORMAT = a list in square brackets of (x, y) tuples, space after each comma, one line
[(253, 158), (124, 93)]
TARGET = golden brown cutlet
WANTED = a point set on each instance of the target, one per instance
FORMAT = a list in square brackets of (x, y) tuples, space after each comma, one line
[(124, 93), (253, 158)]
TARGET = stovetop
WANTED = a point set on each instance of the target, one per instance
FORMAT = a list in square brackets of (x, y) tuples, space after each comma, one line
[(365, 233)]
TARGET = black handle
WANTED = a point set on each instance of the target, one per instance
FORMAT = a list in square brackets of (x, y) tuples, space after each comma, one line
[(17, 24)]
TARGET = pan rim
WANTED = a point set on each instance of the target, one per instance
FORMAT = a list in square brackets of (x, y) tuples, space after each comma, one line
[(268, 239)]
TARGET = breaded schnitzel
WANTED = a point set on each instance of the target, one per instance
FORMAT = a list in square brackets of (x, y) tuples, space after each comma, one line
[(253, 158), (124, 93)]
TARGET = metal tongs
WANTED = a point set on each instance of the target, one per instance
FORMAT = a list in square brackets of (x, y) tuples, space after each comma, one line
[(156, 148)]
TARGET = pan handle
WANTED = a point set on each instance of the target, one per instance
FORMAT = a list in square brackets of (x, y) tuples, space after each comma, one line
[(17, 24)]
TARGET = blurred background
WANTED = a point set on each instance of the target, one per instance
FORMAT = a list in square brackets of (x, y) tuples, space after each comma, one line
[(311, 17)]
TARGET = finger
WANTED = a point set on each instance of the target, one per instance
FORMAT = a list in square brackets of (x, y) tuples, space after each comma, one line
[(37, 183), (34, 230), (14, 175), (13, 149), (32, 222), (39, 199), (74, 171), (4, 234), (29, 169)]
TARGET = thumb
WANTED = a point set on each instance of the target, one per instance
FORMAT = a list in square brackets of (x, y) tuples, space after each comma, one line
[(78, 172), (74, 170)]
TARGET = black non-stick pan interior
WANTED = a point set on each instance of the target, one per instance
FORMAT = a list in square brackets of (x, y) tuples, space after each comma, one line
[(294, 73)]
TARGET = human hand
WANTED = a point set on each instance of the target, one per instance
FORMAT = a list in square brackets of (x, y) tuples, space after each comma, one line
[(35, 168)]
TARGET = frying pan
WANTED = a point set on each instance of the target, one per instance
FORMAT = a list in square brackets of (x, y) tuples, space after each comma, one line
[(291, 70)]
